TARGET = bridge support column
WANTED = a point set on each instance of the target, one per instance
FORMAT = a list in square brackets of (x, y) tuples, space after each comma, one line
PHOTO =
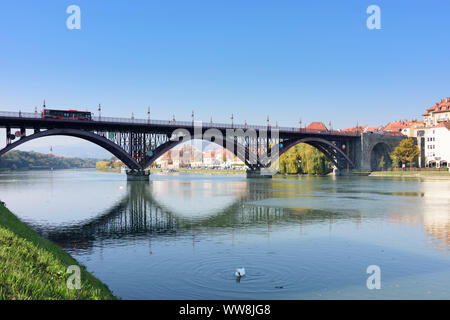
[(258, 173), (138, 175), (342, 172)]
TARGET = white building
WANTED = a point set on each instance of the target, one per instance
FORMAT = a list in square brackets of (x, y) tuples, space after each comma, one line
[(437, 145)]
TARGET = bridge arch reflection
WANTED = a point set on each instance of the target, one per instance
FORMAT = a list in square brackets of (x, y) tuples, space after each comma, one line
[(147, 211)]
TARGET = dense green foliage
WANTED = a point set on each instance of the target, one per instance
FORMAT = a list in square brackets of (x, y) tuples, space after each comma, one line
[(32, 267), (305, 159), (405, 153), (23, 160)]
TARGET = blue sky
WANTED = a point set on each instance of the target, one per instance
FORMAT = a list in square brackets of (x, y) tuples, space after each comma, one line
[(287, 59)]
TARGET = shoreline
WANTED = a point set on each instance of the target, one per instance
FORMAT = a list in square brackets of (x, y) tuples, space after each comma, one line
[(203, 171), (229, 172), (412, 174), (44, 169), (34, 268)]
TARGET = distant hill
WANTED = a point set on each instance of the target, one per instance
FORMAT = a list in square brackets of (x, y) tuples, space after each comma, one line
[(29, 160), (79, 150)]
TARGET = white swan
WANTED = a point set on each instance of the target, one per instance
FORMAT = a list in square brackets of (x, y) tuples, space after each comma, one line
[(240, 272)]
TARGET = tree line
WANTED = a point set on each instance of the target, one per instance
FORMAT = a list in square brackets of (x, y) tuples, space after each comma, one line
[(29, 160)]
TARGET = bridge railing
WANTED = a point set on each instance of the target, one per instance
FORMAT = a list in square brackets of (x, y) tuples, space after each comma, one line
[(177, 124), (20, 114)]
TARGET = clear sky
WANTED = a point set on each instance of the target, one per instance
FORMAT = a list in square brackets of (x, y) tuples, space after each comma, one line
[(287, 59)]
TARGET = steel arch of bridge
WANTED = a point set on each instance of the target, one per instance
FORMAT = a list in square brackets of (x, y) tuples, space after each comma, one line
[(140, 161), (103, 142), (138, 144), (330, 150), (237, 151)]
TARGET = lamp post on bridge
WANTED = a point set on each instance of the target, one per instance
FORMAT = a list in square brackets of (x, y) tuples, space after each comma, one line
[(99, 111), (192, 116), (148, 114), (300, 124), (232, 118)]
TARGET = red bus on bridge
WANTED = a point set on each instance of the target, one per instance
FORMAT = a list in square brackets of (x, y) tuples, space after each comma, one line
[(66, 114)]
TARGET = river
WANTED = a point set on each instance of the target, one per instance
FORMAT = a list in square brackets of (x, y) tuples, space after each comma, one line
[(182, 236)]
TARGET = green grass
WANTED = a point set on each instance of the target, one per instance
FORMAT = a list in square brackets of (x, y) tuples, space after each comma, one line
[(34, 268)]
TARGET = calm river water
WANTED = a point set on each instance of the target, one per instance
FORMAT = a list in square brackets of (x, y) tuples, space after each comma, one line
[(182, 236)]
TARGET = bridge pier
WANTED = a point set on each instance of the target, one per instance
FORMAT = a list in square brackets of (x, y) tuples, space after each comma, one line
[(138, 175), (258, 173), (343, 172), (372, 147)]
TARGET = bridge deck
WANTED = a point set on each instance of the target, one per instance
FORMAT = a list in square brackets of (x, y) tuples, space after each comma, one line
[(32, 120)]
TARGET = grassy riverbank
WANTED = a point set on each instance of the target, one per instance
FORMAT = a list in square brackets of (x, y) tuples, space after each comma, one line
[(413, 174), (35, 268)]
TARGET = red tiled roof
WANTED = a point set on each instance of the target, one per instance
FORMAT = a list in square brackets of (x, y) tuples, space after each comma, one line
[(445, 124), (396, 126), (442, 106), (355, 129), (208, 155), (167, 156), (374, 129), (316, 126)]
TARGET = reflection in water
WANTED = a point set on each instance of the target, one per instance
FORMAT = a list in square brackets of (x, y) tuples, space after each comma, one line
[(436, 214), (196, 199), (183, 236), (167, 209)]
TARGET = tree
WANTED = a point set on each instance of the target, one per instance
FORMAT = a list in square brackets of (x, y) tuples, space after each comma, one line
[(395, 161), (305, 159), (406, 152), (102, 165), (381, 164), (282, 165), (117, 164)]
